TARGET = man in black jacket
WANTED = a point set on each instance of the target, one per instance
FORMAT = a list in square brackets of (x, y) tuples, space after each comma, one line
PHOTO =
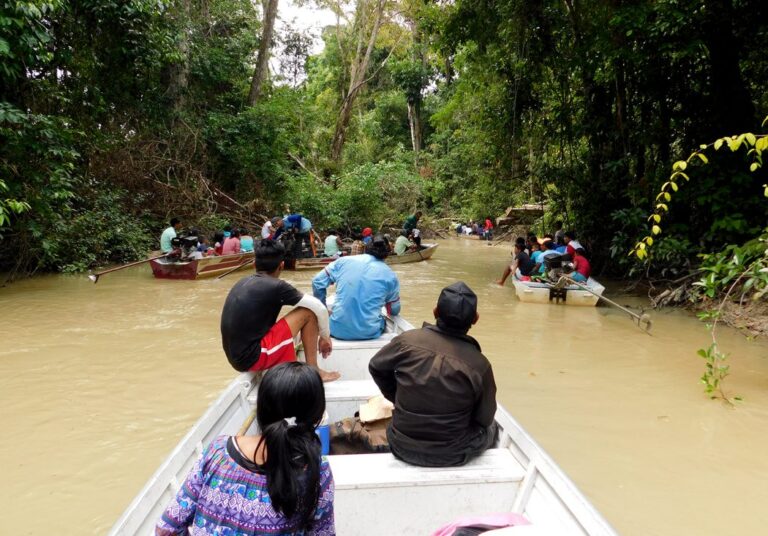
[(442, 386)]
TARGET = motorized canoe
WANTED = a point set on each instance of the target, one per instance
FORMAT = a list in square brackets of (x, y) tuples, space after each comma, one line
[(377, 494), (414, 256), (535, 292), (200, 268)]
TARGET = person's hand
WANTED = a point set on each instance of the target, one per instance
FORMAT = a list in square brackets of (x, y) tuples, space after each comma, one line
[(325, 346)]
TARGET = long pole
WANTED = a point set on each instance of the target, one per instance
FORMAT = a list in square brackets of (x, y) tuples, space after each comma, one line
[(95, 277), (235, 269), (641, 319)]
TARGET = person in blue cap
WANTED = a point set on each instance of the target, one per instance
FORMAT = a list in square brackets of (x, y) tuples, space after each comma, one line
[(442, 386), (364, 284)]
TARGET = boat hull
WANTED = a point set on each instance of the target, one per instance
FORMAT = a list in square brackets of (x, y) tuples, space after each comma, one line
[(531, 292), (415, 256), (377, 494), (200, 268)]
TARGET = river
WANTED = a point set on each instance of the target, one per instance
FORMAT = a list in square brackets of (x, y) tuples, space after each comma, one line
[(99, 382)]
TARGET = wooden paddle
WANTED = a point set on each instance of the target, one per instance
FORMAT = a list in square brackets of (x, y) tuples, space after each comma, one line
[(95, 277), (641, 319), (235, 269)]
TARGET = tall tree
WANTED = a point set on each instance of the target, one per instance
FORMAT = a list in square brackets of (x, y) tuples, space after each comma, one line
[(262, 60), (368, 18)]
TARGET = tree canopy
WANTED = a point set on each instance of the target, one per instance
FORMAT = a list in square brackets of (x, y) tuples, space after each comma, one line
[(115, 116)]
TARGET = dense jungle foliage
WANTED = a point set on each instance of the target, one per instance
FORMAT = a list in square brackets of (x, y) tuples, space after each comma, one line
[(117, 114)]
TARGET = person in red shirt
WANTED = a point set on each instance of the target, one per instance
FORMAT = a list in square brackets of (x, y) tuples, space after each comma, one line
[(582, 269), (488, 228)]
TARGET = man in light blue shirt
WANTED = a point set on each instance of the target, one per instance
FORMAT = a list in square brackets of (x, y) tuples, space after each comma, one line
[(364, 284), (166, 239)]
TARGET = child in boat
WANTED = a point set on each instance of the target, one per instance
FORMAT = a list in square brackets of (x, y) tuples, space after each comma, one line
[(218, 243), (273, 483), (581, 267)]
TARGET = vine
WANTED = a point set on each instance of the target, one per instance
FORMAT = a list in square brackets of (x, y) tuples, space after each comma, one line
[(728, 268)]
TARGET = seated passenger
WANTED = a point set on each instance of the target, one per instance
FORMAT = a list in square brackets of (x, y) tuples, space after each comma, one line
[(403, 243), (522, 266), (253, 338), (582, 269), (218, 243), (333, 245), (231, 244), (367, 235), (442, 387), (547, 250), (364, 284), (246, 241), (571, 244), (272, 483), (358, 247)]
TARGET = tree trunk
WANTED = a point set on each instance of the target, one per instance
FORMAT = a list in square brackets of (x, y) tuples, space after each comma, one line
[(414, 121), (358, 70), (178, 74), (262, 60)]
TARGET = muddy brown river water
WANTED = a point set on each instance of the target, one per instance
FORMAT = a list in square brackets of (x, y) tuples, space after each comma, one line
[(98, 383)]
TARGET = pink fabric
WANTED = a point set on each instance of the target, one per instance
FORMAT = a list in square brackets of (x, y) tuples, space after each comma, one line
[(493, 520), (231, 246)]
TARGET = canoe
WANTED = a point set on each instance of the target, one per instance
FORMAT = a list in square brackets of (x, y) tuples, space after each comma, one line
[(534, 292), (200, 268), (378, 492), (415, 256)]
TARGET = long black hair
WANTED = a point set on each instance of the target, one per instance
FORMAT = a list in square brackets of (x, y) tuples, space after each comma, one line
[(291, 403)]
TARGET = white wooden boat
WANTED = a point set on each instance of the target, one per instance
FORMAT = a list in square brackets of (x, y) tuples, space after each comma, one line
[(534, 292), (377, 494)]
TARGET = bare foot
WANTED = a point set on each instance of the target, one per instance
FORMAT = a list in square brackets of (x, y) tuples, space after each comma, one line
[(500, 283), (328, 375)]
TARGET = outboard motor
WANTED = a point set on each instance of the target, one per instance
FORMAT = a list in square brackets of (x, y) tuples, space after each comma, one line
[(182, 247), (558, 265)]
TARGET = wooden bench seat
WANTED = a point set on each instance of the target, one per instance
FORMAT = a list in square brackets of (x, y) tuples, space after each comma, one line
[(418, 500)]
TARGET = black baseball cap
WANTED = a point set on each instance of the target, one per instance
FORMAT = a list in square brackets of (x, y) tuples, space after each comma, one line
[(457, 306)]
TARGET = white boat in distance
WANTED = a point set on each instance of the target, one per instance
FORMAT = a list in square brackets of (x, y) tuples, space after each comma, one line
[(377, 494)]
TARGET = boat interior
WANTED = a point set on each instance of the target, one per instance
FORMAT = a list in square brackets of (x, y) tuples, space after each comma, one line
[(377, 494)]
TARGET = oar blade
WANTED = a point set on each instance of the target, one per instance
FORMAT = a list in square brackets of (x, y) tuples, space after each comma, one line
[(94, 278)]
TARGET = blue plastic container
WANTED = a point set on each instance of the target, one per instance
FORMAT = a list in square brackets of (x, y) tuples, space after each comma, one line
[(324, 433)]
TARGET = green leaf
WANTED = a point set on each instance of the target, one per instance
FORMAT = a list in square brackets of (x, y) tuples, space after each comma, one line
[(702, 157), (680, 165), (750, 138), (655, 230), (719, 143), (754, 166), (674, 186)]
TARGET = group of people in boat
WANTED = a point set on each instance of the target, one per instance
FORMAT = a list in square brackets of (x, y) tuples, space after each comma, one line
[(483, 230), (229, 241), (295, 232), (441, 385), (532, 256)]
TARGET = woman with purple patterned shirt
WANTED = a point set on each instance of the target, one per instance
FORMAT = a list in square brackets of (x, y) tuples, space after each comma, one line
[(275, 483)]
